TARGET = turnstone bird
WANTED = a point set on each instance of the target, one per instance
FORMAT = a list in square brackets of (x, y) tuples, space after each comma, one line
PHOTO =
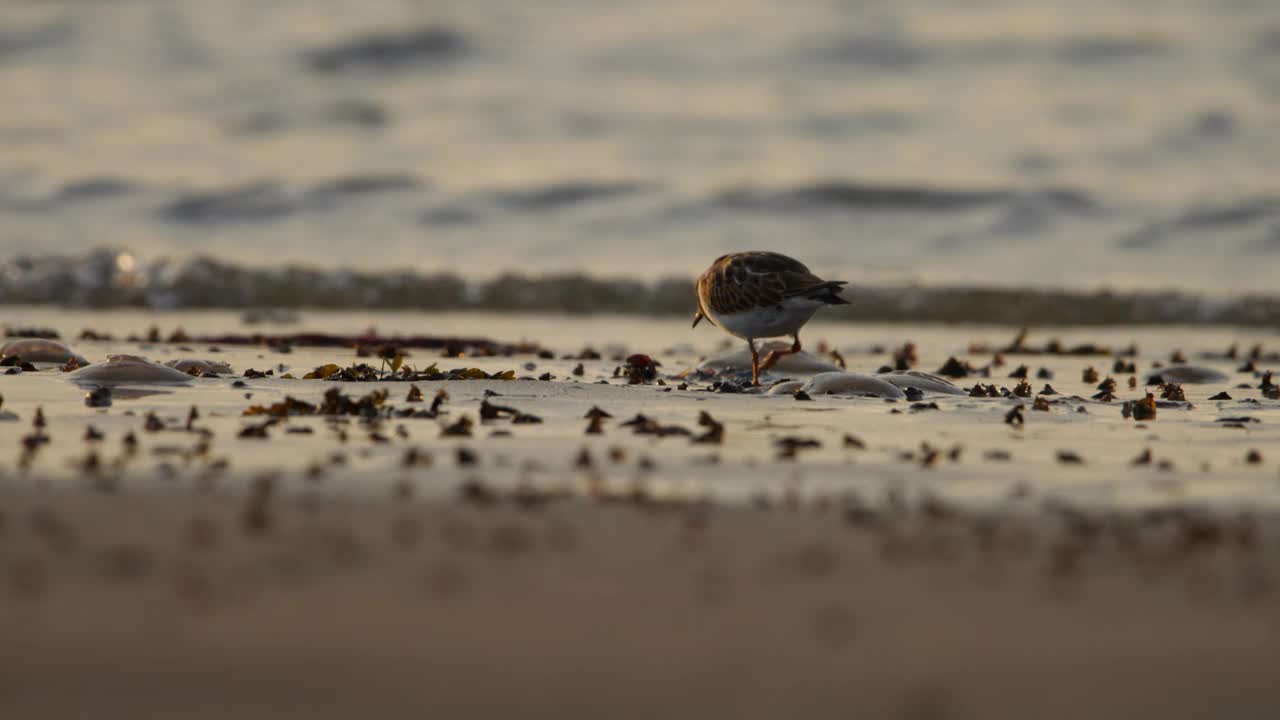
[(763, 294)]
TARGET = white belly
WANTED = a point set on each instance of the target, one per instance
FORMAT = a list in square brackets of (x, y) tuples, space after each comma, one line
[(776, 321)]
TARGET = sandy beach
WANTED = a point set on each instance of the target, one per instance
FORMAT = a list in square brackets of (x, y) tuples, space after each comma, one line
[(922, 558)]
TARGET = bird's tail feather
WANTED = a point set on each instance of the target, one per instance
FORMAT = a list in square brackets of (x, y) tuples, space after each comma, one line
[(827, 292)]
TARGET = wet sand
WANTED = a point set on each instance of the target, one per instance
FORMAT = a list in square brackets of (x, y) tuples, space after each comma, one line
[(163, 606), (924, 563)]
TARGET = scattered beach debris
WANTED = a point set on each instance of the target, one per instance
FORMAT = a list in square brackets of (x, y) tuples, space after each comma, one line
[(790, 445), (456, 346), (1069, 457), (954, 368), (44, 333), (714, 434), (640, 369), (5, 415), (492, 411), (905, 357), (1269, 389), (1140, 410), (644, 425), (1238, 422), (258, 430), (459, 428), (981, 391), (1186, 374), (98, 397), (1019, 346)]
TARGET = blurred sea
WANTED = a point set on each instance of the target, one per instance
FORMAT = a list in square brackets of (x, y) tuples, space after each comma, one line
[(949, 157)]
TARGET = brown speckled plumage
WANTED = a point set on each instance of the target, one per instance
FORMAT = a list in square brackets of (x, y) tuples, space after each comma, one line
[(739, 282)]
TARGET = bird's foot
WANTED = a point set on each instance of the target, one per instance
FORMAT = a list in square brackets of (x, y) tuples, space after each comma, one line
[(774, 356)]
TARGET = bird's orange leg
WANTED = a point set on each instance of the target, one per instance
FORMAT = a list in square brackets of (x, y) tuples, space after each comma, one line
[(775, 355), (755, 363)]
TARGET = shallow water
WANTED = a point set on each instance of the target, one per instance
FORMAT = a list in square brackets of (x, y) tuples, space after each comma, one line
[(984, 142)]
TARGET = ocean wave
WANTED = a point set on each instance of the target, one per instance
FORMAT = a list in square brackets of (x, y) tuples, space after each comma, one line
[(894, 50), (535, 199), (359, 185), (15, 43), (266, 201), (883, 50), (342, 114), (110, 278), (389, 51), (1104, 49), (244, 203), (558, 195), (71, 192), (1209, 217), (849, 195)]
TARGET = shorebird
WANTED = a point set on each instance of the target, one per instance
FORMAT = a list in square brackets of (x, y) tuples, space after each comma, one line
[(755, 295)]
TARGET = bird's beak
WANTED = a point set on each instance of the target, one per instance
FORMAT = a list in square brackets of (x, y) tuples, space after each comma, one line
[(697, 318)]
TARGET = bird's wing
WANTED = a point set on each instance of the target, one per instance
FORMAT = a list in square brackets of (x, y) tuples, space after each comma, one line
[(765, 279)]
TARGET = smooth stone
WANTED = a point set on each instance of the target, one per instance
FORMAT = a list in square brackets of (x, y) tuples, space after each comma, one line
[(187, 365), (1189, 374), (801, 363), (786, 387), (847, 383), (123, 369), (40, 350), (922, 381)]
